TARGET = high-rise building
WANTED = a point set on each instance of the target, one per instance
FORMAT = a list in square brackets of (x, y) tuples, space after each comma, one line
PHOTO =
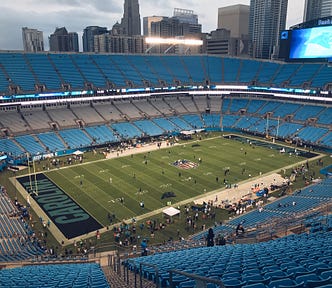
[(315, 9), (188, 21), (62, 41), (166, 28), (88, 37), (108, 43), (326, 8), (131, 21), (234, 18), (312, 9), (267, 19), (147, 22), (73, 42), (185, 16), (183, 23), (32, 40)]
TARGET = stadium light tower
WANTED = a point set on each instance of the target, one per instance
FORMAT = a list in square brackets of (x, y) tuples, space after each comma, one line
[(171, 42)]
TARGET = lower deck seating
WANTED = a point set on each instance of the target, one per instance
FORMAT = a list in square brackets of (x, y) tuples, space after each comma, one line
[(54, 275), (302, 200), (17, 241), (298, 260)]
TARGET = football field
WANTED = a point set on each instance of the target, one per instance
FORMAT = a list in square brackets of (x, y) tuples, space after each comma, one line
[(126, 187)]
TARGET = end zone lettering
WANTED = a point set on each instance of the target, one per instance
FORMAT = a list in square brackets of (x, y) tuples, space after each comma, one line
[(64, 212)]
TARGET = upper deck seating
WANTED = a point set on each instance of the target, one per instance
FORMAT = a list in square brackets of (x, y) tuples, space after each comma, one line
[(67, 70), (90, 71), (231, 70), (44, 71), (18, 71), (285, 73), (145, 70), (127, 70), (180, 73), (248, 70), (196, 68), (109, 69), (162, 71), (214, 69), (304, 74), (267, 72)]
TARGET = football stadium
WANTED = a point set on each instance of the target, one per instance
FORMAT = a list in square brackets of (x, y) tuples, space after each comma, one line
[(164, 171)]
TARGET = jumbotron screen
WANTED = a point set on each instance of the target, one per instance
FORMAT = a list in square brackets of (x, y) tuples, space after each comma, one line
[(311, 43)]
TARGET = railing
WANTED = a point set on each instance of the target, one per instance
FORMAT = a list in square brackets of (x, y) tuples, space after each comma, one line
[(200, 281), (140, 270)]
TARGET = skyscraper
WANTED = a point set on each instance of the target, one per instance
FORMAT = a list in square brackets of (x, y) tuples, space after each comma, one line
[(315, 9), (266, 19), (32, 40), (185, 16), (147, 22), (234, 18), (188, 21), (62, 41), (326, 8), (312, 9), (131, 21), (88, 37)]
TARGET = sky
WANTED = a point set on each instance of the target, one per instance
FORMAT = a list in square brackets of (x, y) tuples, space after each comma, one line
[(75, 15)]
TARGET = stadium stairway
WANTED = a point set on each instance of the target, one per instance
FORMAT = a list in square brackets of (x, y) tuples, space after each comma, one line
[(116, 279)]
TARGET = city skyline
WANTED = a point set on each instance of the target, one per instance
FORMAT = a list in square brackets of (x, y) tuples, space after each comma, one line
[(78, 14)]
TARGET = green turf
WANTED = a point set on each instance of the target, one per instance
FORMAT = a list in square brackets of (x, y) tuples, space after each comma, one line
[(135, 181)]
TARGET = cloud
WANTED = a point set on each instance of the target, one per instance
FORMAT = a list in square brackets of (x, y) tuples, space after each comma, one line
[(75, 15)]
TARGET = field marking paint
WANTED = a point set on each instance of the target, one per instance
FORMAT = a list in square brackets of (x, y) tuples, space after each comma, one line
[(163, 186)]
